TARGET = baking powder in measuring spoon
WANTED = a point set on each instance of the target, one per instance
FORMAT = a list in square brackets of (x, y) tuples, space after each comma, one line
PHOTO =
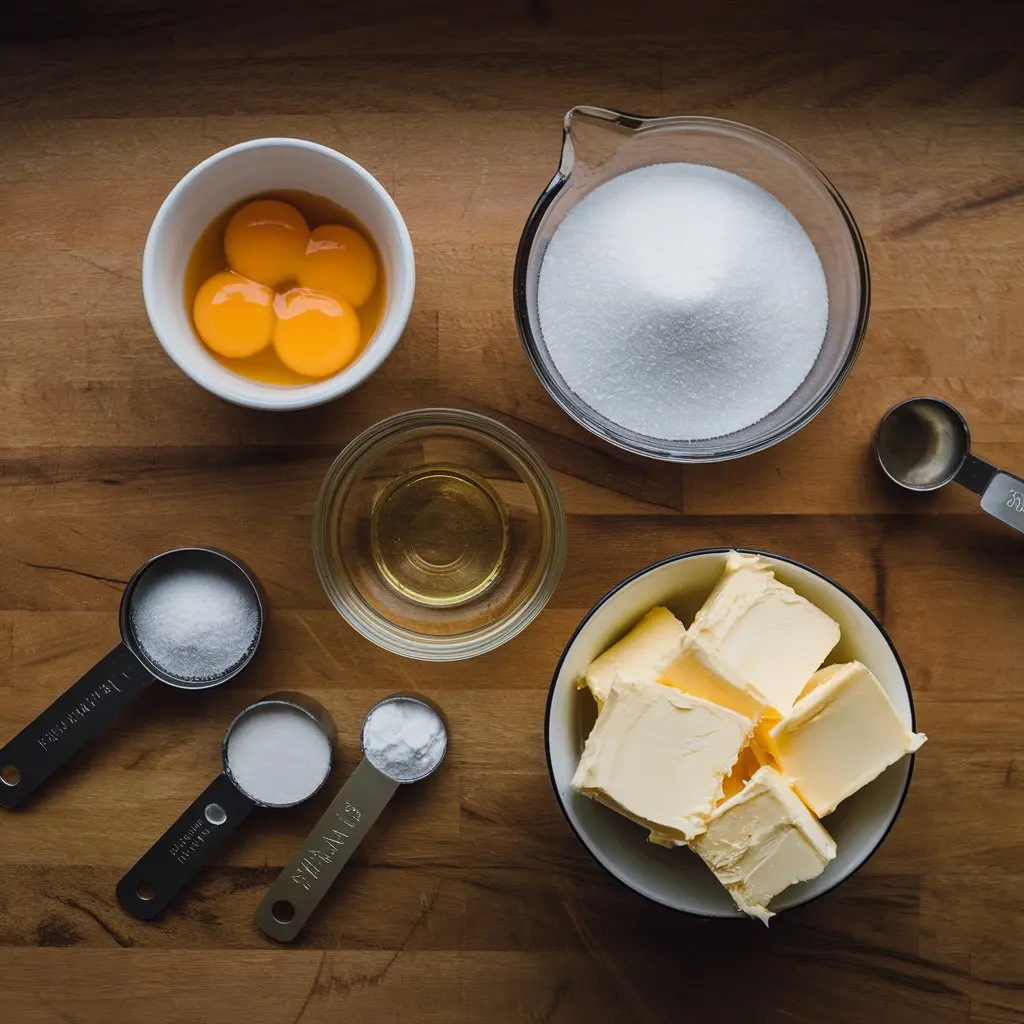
[(404, 740)]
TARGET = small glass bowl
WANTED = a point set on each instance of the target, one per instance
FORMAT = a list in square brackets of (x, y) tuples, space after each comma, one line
[(508, 477), (601, 144)]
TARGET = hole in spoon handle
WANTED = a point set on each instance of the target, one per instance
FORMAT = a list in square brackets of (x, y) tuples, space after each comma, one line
[(1004, 499), (298, 890), (57, 733), (176, 857)]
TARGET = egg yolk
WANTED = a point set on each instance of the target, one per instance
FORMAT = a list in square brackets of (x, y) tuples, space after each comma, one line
[(316, 333), (339, 260), (233, 315), (265, 241)]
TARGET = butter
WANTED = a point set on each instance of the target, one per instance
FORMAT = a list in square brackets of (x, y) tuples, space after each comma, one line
[(729, 738), (659, 756), (753, 756), (742, 771), (762, 841), (639, 656), (771, 637), (700, 672), (840, 735)]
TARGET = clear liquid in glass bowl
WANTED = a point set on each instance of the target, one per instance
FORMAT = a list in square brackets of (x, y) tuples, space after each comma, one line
[(601, 144), (439, 534)]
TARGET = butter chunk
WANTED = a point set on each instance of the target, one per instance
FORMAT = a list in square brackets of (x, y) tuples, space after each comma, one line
[(639, 656), (700, 672), (841, 734), (762, 841), (659, 756), (752, 757), (771, 636)]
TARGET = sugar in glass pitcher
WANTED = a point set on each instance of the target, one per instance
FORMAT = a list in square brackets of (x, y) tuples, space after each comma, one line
[(599, 144)]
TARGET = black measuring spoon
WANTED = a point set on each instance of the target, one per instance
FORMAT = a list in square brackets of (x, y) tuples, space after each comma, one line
[(276, 753), (29, 759)]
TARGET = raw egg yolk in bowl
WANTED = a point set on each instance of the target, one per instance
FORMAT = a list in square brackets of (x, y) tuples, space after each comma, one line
[(288, 287)]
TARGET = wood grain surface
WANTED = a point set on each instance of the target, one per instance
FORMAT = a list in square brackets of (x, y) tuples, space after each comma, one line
[(472, 901)]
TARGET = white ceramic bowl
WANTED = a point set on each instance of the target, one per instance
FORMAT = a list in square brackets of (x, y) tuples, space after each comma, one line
[(226, 178), (677, 878)]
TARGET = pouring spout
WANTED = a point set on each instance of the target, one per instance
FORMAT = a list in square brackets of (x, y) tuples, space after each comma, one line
[(591, 135)]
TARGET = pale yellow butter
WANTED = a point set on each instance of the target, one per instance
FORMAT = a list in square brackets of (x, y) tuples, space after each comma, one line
[(639, 656), (700, 672), (762, 841), (844, 732), (659, 756), (770, 636)]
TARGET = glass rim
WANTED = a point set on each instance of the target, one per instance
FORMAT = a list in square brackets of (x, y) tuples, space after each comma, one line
[(376, 628), (665, 449)]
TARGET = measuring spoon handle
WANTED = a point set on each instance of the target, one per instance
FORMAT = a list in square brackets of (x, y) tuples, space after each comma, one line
[(176, 857), (50, 740), (1002, 494), (298, 890)]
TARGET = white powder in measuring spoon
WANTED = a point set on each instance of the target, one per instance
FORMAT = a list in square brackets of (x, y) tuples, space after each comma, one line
[(404, 739), (682, 301), (195, 624), (278, 755)]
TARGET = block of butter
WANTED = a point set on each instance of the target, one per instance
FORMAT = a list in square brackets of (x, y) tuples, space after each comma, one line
[(701, 672), (771, 636), (844, 732), (639, 656), (762, 841), (660, 756)]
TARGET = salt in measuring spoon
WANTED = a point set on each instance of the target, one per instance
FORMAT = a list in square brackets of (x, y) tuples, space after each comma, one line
[(923, 444), (404, 740), (191, 618), (276, 753)]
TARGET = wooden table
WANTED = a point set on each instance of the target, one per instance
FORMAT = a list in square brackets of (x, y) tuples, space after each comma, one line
[(473, 902)]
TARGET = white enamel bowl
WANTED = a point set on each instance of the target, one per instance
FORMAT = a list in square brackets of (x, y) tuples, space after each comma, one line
[(677, 878), (217, 184)]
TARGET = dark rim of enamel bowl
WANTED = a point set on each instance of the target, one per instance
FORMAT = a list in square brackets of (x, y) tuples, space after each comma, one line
[(643, 572)]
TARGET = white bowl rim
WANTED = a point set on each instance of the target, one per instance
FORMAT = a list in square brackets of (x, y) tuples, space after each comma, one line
[(682, 556), (301, 396)]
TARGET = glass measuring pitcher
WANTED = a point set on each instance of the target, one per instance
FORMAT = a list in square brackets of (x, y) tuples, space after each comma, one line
[(600, 144)]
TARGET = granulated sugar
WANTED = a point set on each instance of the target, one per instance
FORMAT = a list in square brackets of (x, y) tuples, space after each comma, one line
[(278, 755), (404, 739), (682, 301), (195, 624)]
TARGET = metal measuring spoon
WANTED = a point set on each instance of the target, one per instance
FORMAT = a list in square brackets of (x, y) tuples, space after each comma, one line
[(203, 828), (29, 759), (304, 882), (923, 444)]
